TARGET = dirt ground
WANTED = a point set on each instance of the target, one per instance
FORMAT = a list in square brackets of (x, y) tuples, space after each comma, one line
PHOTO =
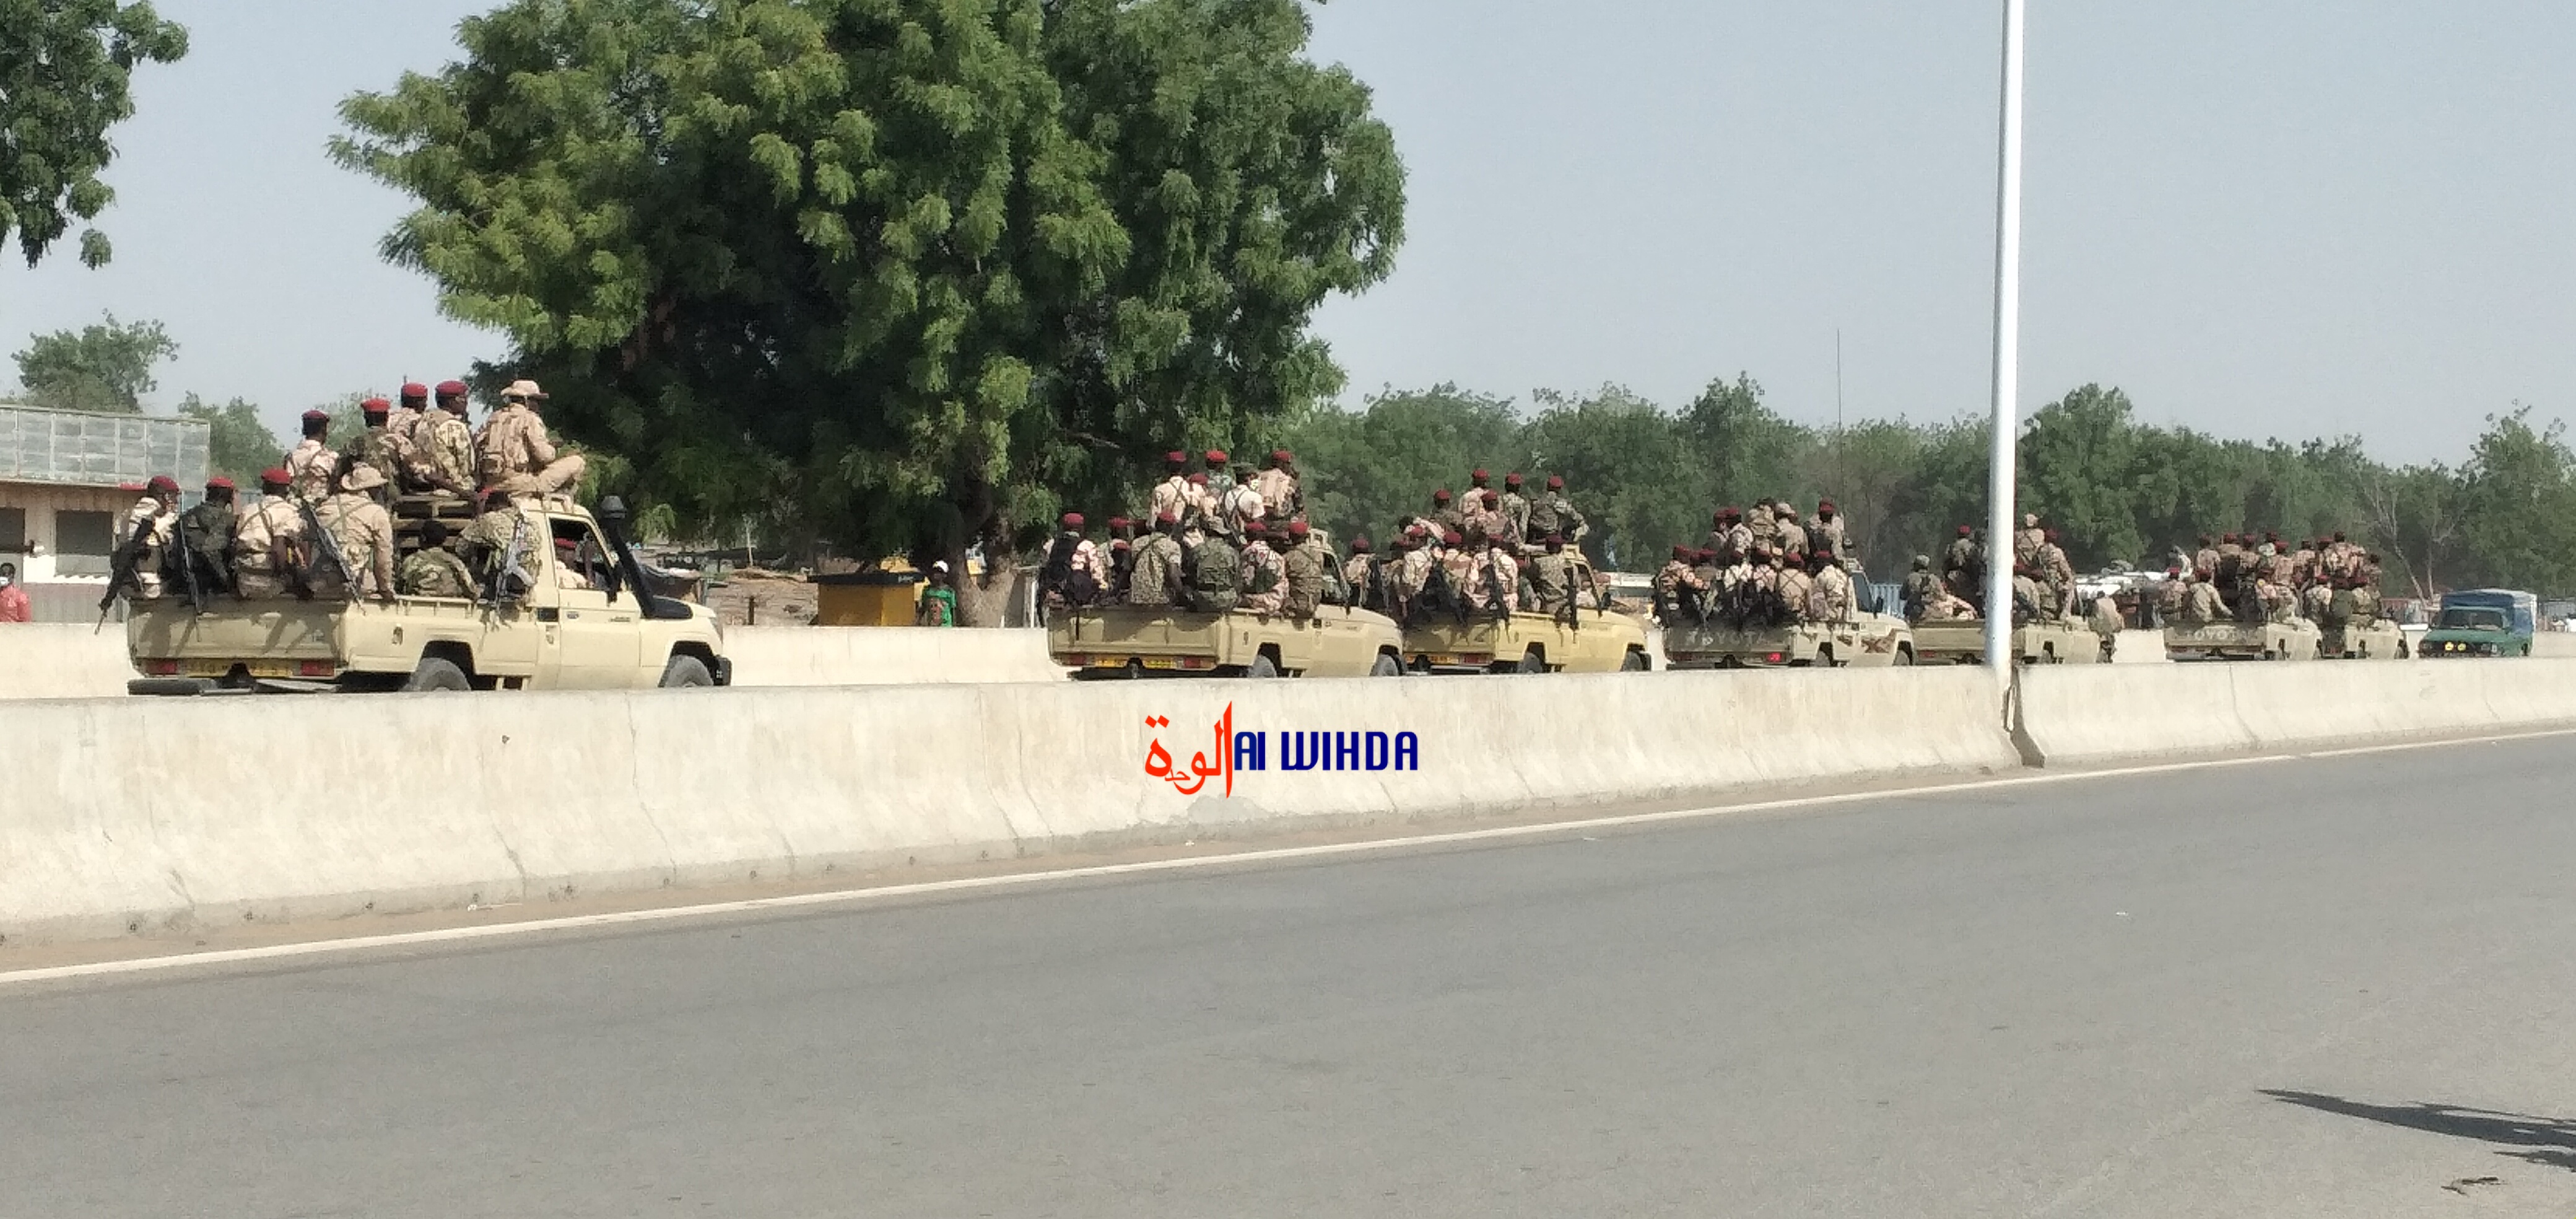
[(754, 597)]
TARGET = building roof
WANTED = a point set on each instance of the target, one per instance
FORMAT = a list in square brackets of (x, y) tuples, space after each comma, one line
[(86, 449)]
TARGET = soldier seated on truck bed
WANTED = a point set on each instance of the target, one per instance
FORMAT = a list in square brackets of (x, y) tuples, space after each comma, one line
[(433, 570)]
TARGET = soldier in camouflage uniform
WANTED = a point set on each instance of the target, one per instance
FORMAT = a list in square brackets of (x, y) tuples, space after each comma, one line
[(1825, 531), (1516, 509), (411, 413), (514, 452), (311, 462), (1832, 600), (1920, 584), (376, 445), (434, 570), (1551, 578), (1219, 483), (366, 536), (1173, 494), (209, 529), (1264, 580), (497, 541), (1356, 572), (1963, 566), (1155, 580), (1302, 572), (268, 540), (1283, 497)]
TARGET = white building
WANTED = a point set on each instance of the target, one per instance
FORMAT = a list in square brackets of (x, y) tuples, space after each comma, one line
[(66, 477)]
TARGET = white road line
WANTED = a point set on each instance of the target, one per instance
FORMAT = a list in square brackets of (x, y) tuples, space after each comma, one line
[(664, 914)]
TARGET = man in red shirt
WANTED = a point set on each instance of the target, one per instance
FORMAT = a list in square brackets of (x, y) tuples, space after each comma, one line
[(13, 599)]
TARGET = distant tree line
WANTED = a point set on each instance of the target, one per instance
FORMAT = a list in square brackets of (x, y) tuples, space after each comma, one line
[(2119, 490)]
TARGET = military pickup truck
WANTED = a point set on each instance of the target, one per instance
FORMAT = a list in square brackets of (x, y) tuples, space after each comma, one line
[(2296, 639), (1587, 639), (1869, 641), (1963, 641), (579, 620), (1130, 641)]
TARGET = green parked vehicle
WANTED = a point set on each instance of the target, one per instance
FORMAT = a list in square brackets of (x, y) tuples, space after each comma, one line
[(2482, 622)]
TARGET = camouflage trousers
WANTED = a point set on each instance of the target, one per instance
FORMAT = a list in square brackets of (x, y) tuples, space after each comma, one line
[(565, 472)]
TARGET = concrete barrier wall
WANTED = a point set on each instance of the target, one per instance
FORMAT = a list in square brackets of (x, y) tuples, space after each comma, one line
[(161, 816), (2075, 716), (57, 660), (886, 656), (45, 660), (2139, 648)]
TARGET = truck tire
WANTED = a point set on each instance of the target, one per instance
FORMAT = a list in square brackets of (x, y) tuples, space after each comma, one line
[(685, 671), (1386, 666), (1635, 662), (1532, 662), (1904, 657), (437, 674), (1261, 667)]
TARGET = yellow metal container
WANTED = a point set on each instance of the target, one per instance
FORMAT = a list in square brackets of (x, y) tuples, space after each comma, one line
[(870, 598)]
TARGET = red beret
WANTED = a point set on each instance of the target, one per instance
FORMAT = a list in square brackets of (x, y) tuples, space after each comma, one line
[(1282, 455), (1555, 482), (1681, 552), (1198, 480), (162, 482), (1479, 474), (1176, 457), (1216, 455), (1297, 529), (317, 417), (275, 476), (1117, 521), (1451, 538), (1558, 539), (220, 483), (375, 406), (1072, 520), (451, 389), (1168, 517), (1492, 499), (1731, 513), (1824, 505), (1441, 495), (1511, 480), (1965, 530), (415, 389), (1255, 529), (1360, 544)]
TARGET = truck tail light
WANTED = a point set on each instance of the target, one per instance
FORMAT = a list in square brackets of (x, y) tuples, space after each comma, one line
[(1773, 658), (315, 668), (1196, 662), (1074, 659), (161, 668)]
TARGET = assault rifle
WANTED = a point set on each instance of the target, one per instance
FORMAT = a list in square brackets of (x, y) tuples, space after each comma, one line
[(506, 565), (327, 544), (122, 573), (187, 556)]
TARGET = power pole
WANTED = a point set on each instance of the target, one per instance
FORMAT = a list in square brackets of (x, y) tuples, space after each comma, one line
[(2007, 414)]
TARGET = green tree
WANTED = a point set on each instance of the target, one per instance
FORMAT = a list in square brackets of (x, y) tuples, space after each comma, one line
[(1748, 450), (64, 68), (2516, 497), (921, 272), (238, 445), (1627, 470), (1364, 470), (106, 367), (2077, 456)]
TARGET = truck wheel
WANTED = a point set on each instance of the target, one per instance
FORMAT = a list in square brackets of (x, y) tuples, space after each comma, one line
[(1386, 666), (1532, 662), (686, 671), (1904, 658), (437, 674), (1636, 662), (1261, 666)]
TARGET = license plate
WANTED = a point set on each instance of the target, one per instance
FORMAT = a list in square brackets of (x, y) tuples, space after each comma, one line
[(1150, 662), (220, 668)]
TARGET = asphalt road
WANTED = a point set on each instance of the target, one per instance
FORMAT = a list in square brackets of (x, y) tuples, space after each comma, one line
[(2317, 988)]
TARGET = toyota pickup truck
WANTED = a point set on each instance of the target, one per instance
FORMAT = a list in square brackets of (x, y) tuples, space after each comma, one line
[(1132, 641), (2296, 639), (1587, 639), (1963, 641), (584, 620), (1870, 640)]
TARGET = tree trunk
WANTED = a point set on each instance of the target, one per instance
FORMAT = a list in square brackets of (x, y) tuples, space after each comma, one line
[(983, 600)]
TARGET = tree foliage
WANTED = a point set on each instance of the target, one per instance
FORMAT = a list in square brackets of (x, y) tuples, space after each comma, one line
[(2116, 490), (915, 271), (105, 367), (238, 445), (64, 70)]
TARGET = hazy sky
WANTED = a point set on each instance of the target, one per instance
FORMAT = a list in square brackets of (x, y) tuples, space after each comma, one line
[(2281, 218)]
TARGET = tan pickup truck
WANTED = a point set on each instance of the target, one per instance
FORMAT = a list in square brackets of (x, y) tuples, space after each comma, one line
[(1590, 639), (1963, 641), (2296, 639), (577, 625), (1868, 641), (1125, 641)]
